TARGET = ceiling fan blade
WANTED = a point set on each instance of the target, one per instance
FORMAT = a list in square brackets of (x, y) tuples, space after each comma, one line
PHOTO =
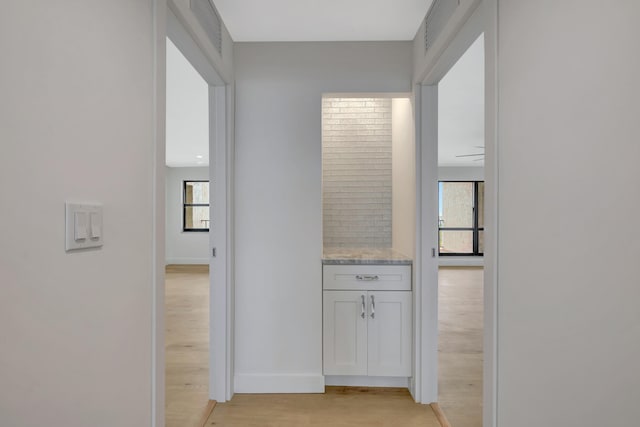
[(471, 155)]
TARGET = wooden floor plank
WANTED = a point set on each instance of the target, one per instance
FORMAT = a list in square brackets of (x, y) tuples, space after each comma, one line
[(338, 407), (442, 418), (460, 340), (206, 413), (186, 344)]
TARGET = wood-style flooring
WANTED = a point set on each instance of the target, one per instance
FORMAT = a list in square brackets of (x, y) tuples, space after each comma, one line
[(338, 407), (460, 324), (460, 365), (186, 344)]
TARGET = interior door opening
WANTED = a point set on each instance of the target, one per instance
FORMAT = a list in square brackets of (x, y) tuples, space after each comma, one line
[(188, 218), (461, 238)]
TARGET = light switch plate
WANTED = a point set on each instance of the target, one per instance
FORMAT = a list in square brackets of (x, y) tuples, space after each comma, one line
[(83, 228)]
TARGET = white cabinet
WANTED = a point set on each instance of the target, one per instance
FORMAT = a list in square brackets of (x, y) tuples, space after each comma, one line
[(389, 334), (345, 333), (368, 332)]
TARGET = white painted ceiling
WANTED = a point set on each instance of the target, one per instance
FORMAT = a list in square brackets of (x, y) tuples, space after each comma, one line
[(461, 110), (322, 20), (461, 91), (187, 112)]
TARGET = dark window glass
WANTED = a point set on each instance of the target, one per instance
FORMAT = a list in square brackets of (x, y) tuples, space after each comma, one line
[(461, 217), (196, 206)]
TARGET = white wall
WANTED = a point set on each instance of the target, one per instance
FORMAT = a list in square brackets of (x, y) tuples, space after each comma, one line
[(76, 123), (279, 87), (187, 127), (568, 270), (460, 173), (404, 177), (183, 247)]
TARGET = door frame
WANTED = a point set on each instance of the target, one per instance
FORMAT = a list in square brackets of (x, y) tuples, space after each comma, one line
[(219, 232), (168, 22), (220, 242), (482, 19)]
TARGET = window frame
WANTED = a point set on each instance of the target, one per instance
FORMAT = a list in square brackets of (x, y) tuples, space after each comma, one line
[(475, 228), (186, 205)]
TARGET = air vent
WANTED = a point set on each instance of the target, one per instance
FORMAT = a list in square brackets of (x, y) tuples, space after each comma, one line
[(439, 14), (208, 16)]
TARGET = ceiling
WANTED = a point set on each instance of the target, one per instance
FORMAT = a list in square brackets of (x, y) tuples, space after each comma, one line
[(461, 110), (187, 112), (322, 20), (460, 92)]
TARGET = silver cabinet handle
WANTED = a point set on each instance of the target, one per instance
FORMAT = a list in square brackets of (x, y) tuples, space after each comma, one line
[(363, 307), (373, 307), (367, 277)]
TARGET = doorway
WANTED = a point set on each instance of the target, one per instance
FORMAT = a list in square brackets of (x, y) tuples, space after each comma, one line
[(216, 255), (452, 132), (187, 241), (461, 237)]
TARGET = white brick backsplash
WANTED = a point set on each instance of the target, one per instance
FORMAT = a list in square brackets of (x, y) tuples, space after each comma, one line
[(356, 153)]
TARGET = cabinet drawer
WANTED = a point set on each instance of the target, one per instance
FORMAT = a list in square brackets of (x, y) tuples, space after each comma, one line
[(367, 277)]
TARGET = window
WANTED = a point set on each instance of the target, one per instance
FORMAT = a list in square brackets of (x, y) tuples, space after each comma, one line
[(461, 218), (195, 206)]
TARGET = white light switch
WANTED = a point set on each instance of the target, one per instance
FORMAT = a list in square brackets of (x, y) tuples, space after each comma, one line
[(79, 226), (96, 225), (83, 226)]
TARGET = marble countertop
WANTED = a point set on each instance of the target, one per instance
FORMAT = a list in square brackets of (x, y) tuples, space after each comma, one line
[(384, 256)]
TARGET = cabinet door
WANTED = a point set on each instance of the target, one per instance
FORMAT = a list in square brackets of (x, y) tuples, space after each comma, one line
[(345, 333), (389, 333)]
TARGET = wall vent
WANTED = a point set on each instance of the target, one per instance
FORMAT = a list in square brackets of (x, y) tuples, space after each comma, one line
[(439, 14), (210, 21)]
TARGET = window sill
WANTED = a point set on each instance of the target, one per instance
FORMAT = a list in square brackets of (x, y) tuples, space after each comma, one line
[(461, 261)]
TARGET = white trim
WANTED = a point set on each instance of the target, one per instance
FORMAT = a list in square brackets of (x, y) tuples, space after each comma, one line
[(424, 386), (415, 386), (429, 243), (230, 238), (279, 383), (470, 26), (177, 31), (491, 289), (366, 381), (219, 295), (159, 8), (436, 62), (186, 261)]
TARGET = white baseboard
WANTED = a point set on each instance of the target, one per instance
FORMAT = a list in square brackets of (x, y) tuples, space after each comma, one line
[(364, 381), (187, 261), (278, 383)]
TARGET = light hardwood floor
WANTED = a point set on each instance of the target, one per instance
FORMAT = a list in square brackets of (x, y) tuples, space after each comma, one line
[(186, 343), (338, 407), (460, 363), (460, 324)]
